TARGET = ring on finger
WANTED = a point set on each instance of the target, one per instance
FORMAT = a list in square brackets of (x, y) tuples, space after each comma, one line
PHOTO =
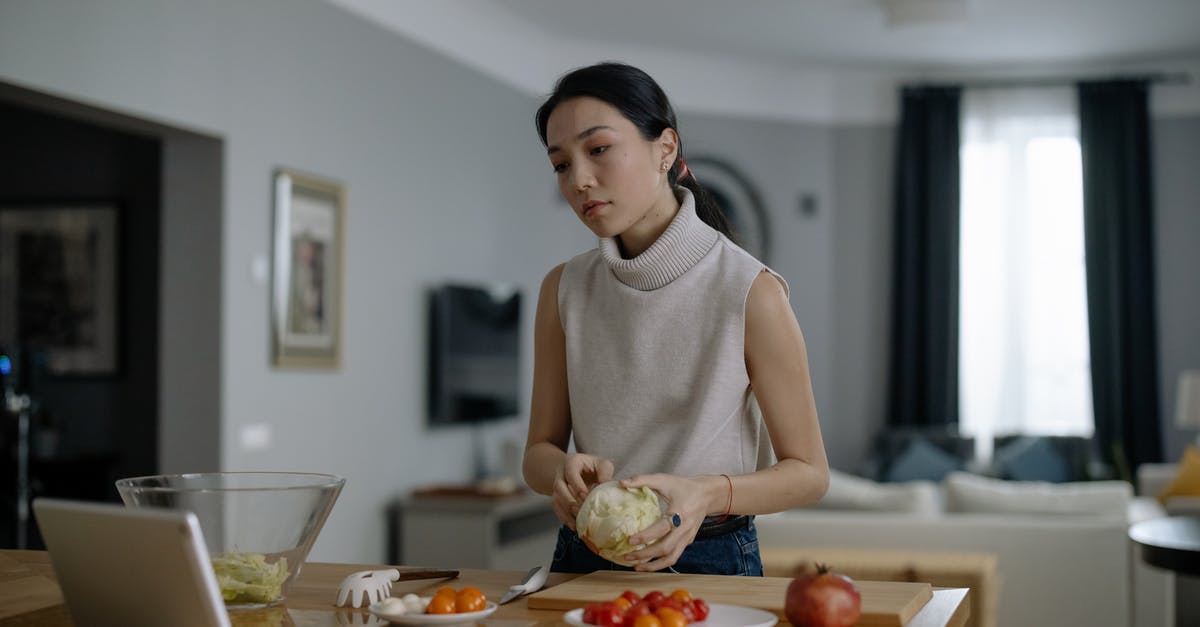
[(676, 520)]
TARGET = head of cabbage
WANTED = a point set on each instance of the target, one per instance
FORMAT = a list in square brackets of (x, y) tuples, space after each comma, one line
[(610, 514)]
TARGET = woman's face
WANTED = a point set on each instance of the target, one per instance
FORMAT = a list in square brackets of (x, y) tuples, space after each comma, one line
[(606, 171)]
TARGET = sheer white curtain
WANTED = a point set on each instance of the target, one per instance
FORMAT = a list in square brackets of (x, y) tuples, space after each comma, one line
[(1023, 361)]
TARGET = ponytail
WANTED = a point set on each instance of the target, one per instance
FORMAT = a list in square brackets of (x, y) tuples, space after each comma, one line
[(707, 208)]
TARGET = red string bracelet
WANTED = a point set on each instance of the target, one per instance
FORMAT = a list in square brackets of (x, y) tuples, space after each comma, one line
[(729, 503)]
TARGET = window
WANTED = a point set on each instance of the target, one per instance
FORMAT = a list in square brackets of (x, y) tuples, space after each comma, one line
[(1023, 352)]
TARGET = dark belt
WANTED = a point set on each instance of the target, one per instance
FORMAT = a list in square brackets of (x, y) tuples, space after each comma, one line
[(711, 528)]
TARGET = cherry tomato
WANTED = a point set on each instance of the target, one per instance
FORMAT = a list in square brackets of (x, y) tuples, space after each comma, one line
[(655, 599), (688, 612), (672, 603), (440, 604), (700, 607), (445, 590), (469, 600), (609, 615), (682, 595), (641, 608), (671, 618), (649, 620), (632, 596), (590, 612), (622, 603)]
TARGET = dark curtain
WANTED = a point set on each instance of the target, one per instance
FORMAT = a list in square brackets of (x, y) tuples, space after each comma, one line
[(1118, 218), (923, 388)]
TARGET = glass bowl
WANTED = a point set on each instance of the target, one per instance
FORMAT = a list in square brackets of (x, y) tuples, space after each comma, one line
[(258, 526)]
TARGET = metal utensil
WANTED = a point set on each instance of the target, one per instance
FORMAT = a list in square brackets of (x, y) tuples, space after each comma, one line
[(371, 586), (531, 583)]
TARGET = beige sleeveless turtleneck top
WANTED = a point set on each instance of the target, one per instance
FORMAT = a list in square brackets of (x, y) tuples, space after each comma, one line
[(655, 353)]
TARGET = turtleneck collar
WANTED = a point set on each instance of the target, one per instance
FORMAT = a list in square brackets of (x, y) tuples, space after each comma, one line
[(684, 243)]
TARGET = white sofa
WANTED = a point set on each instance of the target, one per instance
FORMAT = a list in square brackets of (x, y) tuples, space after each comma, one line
[(1054, 568)]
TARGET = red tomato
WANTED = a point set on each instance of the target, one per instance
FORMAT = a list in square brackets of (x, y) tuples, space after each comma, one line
[(688, 612), (672, 603), (632, 596), (589, 613), (641, 608), (609, 615), (655, 599), (700, 608)]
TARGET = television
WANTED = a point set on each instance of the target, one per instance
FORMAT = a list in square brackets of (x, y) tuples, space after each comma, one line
[(474, 365)]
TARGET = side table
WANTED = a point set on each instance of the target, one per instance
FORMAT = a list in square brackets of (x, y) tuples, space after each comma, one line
[(1172, 543)]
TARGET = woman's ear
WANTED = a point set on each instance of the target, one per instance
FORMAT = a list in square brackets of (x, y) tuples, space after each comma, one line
[(668, 142)]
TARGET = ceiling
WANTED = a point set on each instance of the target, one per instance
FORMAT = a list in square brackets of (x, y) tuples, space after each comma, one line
[(808, 60), (858, 32)]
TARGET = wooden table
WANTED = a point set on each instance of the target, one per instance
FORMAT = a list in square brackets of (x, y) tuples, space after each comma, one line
[(310, 603)]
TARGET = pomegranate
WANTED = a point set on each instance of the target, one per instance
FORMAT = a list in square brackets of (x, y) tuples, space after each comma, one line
[(823, 599)]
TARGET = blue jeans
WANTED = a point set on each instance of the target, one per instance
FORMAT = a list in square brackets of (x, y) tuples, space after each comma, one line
[(733, 553)]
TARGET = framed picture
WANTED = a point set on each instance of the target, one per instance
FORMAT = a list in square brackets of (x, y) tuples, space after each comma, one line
[(58, 286), (306, 284)]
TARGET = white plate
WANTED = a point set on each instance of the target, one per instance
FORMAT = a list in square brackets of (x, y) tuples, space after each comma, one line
[(718, 616), (433, 619)]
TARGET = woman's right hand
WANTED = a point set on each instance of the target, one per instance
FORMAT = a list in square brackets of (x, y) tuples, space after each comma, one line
[(574, 479)]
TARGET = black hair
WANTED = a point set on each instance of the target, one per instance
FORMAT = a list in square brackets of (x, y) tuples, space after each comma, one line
[(640, 99)]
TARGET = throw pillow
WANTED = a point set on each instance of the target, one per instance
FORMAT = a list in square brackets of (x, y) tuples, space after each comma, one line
[(849, 492), (1031, 459), (966, 492), (1187, 482), (921, 461)]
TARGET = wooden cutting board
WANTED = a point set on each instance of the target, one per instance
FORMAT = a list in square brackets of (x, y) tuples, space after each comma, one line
[(884, 603)]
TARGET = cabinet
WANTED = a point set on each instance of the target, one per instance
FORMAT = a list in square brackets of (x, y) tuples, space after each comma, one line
[(513, 532)]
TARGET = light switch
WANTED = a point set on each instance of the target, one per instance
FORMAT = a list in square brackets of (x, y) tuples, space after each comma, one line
[(260, 269), (256, 437)]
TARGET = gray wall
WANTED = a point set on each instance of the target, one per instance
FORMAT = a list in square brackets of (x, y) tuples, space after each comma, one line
[(1177, 232)]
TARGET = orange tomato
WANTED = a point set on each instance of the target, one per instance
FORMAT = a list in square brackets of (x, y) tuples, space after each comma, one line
[(622, 603), (441, 604), (682, 595), (445, 590), (649, 620), (470, 599), (671, 618)]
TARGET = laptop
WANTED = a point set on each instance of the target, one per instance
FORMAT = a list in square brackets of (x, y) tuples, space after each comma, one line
[(120, 566)]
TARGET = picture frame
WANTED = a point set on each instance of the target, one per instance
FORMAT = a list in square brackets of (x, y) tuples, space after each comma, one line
[(59, 298), (307, 273)]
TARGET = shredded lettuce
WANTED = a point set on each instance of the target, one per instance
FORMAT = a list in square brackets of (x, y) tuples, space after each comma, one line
[(249, 578)]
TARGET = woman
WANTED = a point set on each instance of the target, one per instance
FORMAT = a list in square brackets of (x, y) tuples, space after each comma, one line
[(647, 347)]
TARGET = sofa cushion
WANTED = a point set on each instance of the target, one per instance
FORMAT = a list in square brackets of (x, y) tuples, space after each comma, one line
[(1031, 459), (966, 492), (848, 492), (1187, 479), (921, 461)]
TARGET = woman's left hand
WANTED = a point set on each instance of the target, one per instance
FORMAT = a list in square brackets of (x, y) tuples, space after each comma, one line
[(685, 497)]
